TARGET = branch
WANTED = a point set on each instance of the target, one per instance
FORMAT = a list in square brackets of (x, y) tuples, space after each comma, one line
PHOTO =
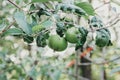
[(116, 2), (5, 29), (101, 5), (105, 62), (84, 53), (107, 24), (76, 64), (16, 5), (117, 16)]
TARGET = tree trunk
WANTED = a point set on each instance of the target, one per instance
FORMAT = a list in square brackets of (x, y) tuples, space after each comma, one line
[(86, 69), (103, 71)]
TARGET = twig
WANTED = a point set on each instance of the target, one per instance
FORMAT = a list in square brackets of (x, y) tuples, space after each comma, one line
[(104, 62), (15, 5), (117, 16), (114, 59), (46, 5), (5, 29), (116, 2), (116, 34), (105, 26), (101, 5), (109, 22), (109, 25)]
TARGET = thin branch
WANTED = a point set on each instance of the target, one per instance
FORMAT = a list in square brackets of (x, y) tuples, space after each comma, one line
[(116, 34), (5, 29), (101, 5), (46, 5), (111, 25), (93, 62), (117, 16), (116, 2), (114, 59), (15, 5), (109, 22), (108, 25)]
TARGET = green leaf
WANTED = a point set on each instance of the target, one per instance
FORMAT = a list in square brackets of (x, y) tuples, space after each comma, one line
[(86, 7), (41, 39), (33, 22), (28, 39), (45, 0), (32, 7), (47, 23), (13, 31), (37, 28), (23, 24), (61, 29)]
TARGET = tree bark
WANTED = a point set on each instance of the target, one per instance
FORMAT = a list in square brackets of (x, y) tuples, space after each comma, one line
[(86, 69)]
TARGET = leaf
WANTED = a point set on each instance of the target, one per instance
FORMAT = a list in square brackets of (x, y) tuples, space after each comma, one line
[(115, 70), (41, 39), (28, 39), (86, 7), (45, 0), (32, 7), (23, 24), (82, 38), (60, 30), (13, 31), (47, 23), (37, 28)]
